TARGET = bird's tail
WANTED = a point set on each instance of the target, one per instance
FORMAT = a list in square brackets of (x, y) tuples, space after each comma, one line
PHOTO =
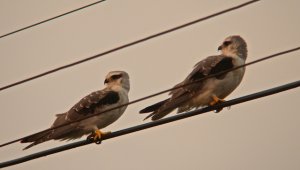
[(44, 136), (159, 110), (153, 107), (36, 139)]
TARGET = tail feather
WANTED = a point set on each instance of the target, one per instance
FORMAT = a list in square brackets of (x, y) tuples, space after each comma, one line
[(154, 107), (36, 139), (160, 114), (150, 115), (161, 109), (48, 135)]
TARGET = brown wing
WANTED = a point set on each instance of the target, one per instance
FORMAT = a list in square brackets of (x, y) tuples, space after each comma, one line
[(84, 107), (91, 102), (211, 65), (208, 66)]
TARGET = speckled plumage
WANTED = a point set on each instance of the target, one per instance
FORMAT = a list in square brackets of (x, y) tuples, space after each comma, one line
[(234, 53), (114, 94)]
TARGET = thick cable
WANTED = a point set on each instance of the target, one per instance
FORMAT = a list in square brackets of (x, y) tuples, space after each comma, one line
[(159, 93), (137, 128)]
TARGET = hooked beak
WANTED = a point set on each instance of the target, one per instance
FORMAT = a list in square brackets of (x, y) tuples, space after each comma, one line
[(220, 47), (105, 81)]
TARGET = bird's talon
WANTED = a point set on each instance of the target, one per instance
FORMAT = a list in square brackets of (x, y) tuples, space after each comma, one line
[(91, 137), (98, 141), (212, 103), (215, 101), (218, 110), (96, 136)]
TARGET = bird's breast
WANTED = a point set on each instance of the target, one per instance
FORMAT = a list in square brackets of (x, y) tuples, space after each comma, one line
[(219, 87), (104, 119)]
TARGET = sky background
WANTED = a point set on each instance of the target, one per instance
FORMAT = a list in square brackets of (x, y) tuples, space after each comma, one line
[(261, 134)]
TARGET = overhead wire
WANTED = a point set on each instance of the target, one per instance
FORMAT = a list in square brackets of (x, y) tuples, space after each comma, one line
[(137, 128), (53, 18), (159, 93), (159, 122), (128, 45)]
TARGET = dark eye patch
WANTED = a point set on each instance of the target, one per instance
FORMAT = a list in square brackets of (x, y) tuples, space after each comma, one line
[(226, 43), (115, 77)]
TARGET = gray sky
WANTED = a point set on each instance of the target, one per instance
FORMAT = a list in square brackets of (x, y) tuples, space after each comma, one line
[(261, 134)]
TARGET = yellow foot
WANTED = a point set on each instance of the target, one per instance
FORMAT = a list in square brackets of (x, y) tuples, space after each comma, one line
[(96, 136), (215, 101)]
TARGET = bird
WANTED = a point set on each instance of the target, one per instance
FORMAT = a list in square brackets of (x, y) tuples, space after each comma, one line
[(187, 95), (113, 95)]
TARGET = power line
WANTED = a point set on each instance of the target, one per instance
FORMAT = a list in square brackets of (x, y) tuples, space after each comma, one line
[(128, 45), (159, 93), (137, 128), (47, 20)]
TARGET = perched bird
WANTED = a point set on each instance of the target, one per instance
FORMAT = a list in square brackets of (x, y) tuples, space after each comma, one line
[(114, 94), (210, 91)]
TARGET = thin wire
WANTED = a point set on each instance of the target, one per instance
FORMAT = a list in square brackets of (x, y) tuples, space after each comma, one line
[(137, 128), (47, 20), (159, 93), (127, 45)]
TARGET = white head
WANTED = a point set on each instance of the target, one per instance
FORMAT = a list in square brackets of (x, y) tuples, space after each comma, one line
[(234, 46), (118, 78)]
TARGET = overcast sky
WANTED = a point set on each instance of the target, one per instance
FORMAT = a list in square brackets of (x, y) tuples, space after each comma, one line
[(261, 134)]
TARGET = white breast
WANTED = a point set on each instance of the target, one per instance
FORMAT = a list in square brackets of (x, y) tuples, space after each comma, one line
[(221, 88), (107, 118)]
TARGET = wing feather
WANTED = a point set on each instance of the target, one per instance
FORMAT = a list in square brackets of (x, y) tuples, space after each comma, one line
[(208, 66), (91, 102), (181, 95)]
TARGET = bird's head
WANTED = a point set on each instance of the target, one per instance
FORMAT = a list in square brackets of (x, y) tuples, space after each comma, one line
[(234, 46), (117, 78)]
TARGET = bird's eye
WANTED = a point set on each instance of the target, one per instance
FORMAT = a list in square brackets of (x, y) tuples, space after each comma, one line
[(115, 77), (226, 43)]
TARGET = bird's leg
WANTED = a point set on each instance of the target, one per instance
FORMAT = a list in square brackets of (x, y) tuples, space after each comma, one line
[(96, 136), (215, 101)]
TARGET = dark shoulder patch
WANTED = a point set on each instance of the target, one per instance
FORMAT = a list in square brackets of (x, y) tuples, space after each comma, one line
[(224, 64), (108, 98), (197, 76), (203, 68)]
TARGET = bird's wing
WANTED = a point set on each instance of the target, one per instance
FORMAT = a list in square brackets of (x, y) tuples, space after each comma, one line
[(181, 95), (210, 65), (88, 105), (84, 107)]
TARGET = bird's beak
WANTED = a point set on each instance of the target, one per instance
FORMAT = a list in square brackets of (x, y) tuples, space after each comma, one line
[(105, 81), (220, 47)]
